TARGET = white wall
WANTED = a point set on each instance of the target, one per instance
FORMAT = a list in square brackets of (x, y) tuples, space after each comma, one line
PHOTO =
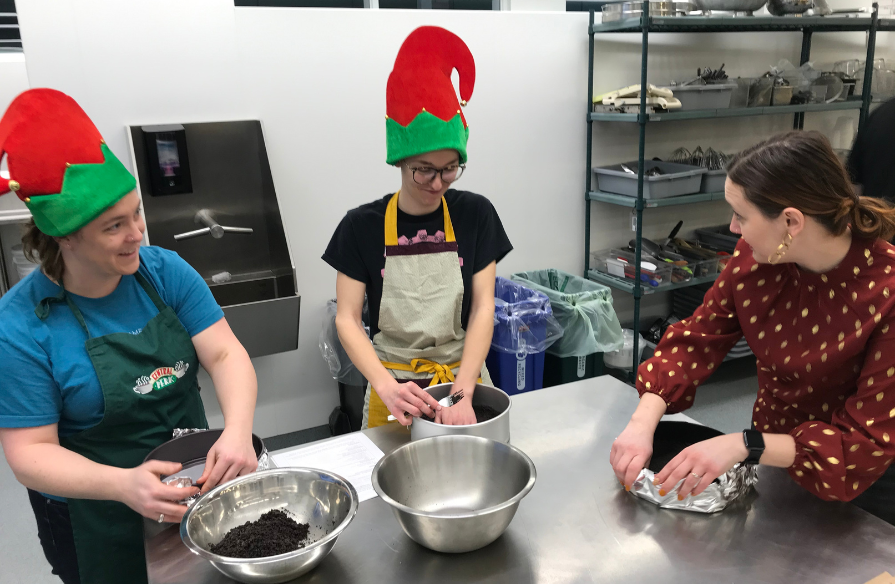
[(316, 78), (13, 81), (534, 5)]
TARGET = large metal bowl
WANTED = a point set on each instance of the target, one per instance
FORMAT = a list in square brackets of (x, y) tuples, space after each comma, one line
[(324, 500), (784, 7), (621, 10), (497, 428), (747, 6), (454, 493)]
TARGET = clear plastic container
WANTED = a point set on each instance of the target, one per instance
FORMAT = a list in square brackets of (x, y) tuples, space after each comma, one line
[(620, 263), (701, 268), (740, 96), (760, 92)]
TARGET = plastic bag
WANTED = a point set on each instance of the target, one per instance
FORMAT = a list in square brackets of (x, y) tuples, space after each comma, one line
[(340, 365), (800, 78), (582, 308), (623, 357), (523, 320)]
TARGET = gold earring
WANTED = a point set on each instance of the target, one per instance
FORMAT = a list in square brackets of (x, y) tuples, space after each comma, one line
[(781, 250)]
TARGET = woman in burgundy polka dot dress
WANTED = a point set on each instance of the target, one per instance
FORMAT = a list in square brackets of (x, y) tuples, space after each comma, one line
[(811, 287)]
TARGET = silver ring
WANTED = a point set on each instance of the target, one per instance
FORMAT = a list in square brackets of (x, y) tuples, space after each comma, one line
[(161, 518), (696, 476)]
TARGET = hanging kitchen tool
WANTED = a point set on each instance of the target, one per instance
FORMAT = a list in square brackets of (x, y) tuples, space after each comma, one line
[(697, 157), (681, 156), (713, 160)]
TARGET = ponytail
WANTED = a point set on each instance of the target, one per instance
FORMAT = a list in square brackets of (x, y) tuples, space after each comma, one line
[(43, 249), (872, 218)]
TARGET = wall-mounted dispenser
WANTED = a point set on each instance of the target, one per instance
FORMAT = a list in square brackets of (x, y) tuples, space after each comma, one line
[(167, 160), (224, 221)]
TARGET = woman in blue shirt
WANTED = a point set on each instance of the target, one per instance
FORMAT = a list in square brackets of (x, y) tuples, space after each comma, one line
[(100, 351)]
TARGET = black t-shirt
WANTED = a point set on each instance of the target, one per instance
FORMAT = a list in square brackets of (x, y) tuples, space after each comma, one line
[(357, 248), (872, 159)]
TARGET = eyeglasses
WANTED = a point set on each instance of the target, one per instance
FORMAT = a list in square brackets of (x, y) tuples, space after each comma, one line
[(423, 175)]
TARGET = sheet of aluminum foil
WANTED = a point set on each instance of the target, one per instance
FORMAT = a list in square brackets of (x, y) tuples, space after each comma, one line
[(182, 483), (178, 432), (722, 492)]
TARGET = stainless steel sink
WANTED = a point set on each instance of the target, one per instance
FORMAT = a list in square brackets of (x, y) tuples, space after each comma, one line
[(224, 220)]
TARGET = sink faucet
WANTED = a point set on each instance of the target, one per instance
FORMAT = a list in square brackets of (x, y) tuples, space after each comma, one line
[(216, 230)]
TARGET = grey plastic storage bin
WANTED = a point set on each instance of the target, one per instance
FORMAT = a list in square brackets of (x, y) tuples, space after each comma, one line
[(713, 181), (679, 179), (698, 97), (719, 237)]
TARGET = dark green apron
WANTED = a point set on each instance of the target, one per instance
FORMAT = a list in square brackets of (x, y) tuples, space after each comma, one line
[(149, 387)]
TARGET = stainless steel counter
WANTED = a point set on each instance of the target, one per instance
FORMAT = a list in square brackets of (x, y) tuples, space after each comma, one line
[(578, 525)]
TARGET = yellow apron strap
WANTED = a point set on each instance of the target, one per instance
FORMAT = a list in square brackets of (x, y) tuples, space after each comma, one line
[(448, 226), (391, 222), (441, 373)]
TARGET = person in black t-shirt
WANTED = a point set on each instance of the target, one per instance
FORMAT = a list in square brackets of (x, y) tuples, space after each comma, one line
[(425, 256), (872, 158)]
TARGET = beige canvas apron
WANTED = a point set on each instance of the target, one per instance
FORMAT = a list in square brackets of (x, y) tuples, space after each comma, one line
[(420, 336)]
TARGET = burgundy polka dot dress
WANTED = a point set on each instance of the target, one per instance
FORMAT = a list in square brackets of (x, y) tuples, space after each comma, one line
[(825, 346)]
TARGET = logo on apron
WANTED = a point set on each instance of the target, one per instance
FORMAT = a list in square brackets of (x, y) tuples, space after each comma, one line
[(161, 378)]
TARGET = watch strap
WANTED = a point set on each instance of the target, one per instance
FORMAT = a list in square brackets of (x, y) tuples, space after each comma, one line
[(754, 442)]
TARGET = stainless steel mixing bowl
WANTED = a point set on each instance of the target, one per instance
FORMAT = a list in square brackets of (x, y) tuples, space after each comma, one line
[(747, 6), (497, 428), (454, 493), (324, 500)]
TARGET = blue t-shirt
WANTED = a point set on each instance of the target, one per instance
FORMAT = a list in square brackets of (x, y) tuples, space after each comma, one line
[(47, 376)]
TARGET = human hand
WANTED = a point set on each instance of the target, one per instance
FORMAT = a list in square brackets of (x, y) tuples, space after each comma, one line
[(231, 456), (631, 452), (458, 414), (408, 397), (701, 464), (143, 491)]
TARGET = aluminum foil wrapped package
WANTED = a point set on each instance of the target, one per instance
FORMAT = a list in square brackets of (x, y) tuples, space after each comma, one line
[(178, 432), (722, 492), (265, 461), (668, 441), (182, 483)]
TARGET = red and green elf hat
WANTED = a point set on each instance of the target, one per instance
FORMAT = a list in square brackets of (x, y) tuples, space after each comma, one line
[(422, 111), (58, 163)]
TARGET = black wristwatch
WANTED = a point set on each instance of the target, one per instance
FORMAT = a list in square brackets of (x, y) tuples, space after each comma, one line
[(754, 444)]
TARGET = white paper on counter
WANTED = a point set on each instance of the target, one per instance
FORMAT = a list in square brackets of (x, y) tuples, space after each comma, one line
[(352, 457)]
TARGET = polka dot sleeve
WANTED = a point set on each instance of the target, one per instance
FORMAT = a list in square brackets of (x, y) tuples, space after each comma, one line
[(840, 459), (693, 348)]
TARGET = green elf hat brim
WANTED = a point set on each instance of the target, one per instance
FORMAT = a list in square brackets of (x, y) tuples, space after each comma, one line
[(425, 133), (87, 191)]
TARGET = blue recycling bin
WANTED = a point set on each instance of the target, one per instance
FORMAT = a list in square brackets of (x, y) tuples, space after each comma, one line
[(524, 326)]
